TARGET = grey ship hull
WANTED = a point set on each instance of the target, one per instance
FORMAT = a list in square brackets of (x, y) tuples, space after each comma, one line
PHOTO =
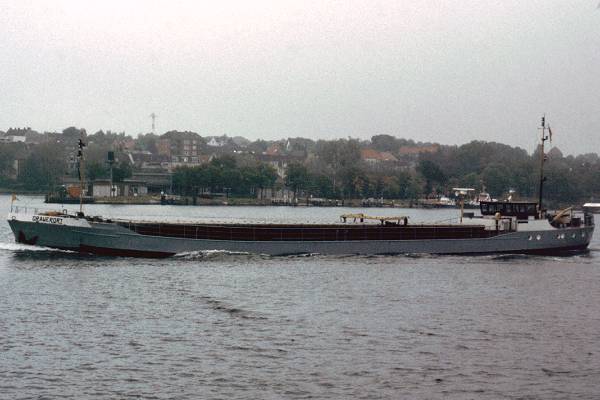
[(108, 238)]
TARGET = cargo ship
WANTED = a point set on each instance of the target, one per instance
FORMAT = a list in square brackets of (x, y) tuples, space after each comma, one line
[(502, 227)]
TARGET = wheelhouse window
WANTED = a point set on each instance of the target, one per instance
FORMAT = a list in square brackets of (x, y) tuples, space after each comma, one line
[(521, 210)]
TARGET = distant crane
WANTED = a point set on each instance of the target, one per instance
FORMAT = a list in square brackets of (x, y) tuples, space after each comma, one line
[(153, 116)]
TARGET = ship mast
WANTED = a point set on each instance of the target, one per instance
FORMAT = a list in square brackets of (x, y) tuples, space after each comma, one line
[(81, 168), (542, 161)]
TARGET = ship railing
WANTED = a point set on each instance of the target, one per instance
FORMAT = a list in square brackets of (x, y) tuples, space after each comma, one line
[(36, 210), (504, 224)]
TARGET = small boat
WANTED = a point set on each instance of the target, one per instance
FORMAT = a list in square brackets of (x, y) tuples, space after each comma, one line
[(440, 202), (475, 203), (592, 207), (502, 227)]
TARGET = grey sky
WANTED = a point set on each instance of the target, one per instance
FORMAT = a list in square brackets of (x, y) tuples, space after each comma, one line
[(444, 71)]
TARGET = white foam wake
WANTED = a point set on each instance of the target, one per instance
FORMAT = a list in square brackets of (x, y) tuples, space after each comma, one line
[(209, 253), (26, 247)]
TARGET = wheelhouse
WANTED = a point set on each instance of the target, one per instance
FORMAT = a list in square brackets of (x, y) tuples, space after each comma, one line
[(520, 209)]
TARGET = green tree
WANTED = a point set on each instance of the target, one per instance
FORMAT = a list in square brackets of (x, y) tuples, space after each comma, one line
[(73, 132), (121, 171), (385, 143), (497, 178), (296, 177), (432, 174), (44, 167), (266, 176), (342, 158), (96, 170)]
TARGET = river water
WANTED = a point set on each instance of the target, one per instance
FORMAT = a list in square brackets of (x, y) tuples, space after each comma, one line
[(236, 326)]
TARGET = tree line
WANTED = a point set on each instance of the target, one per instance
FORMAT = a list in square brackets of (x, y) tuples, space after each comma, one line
[(328, 169), (337, 171), (224, 174)]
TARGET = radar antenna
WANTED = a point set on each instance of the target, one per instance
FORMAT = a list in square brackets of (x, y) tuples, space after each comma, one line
[(543, 159), (81, 170)]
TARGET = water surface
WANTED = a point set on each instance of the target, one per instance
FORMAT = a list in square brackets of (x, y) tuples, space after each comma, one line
[(238, 326)]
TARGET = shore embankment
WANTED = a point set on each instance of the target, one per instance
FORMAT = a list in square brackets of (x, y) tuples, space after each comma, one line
[(246, 201), (237, 201)]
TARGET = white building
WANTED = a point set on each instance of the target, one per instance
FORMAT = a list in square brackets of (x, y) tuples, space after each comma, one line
[(12, 139), (101, 188)]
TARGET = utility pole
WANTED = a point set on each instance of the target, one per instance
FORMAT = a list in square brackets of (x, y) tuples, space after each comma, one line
[(111, 161)]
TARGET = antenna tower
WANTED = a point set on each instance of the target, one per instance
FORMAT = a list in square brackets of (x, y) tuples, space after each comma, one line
[(153, 116)]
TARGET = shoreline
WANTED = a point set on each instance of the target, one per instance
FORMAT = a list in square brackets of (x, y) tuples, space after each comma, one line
[(248, 202), (235, 201)]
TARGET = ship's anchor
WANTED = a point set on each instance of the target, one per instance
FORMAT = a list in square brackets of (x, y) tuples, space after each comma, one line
[(23, 239)]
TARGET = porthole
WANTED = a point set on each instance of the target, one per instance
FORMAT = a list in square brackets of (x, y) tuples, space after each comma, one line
[(530, 237), (573, 236), (538, 237)]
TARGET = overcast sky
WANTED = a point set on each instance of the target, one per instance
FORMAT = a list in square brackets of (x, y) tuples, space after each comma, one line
[(442, 71)]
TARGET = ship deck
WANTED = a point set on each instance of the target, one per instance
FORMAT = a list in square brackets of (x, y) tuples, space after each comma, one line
[(338, 232)]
